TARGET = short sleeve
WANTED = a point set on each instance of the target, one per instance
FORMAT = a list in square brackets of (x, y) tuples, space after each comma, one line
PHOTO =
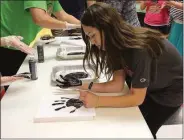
[(116, 67), (57, 6), (141, 69), (35, 4)]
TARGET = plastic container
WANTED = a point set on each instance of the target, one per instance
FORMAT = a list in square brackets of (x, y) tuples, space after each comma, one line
[(66, 69)]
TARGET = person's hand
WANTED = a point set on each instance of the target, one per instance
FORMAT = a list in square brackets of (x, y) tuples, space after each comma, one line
[(168, 3), (70, 26), (6, 80), (89, 99), (15, 41)]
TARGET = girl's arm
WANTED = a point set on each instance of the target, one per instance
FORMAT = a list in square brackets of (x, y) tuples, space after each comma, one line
[(115, 85), (135, 97)]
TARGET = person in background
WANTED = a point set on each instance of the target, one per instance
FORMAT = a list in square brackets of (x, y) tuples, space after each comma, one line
[(176, 32), (140, 13), (157, 15), (27, 18), (149, 63), (127, 9), (73, 7), (76, 9)]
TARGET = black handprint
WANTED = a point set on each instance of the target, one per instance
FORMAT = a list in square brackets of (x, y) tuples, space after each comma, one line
[(71, 79), (68, 103)]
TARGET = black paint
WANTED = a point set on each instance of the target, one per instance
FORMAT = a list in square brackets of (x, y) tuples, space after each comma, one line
[(78, 75), (69, 103), (76, 53), (47, 37), (68, 81)]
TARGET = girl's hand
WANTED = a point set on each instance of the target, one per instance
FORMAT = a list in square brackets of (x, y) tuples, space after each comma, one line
[(89, 99)]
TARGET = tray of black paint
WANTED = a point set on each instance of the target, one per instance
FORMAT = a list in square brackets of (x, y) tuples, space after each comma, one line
[(67, 69)]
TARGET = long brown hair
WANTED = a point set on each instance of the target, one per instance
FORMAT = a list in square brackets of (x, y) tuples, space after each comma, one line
[(118, 36)]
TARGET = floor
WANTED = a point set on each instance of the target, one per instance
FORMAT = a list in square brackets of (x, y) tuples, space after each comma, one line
[(173, 128)]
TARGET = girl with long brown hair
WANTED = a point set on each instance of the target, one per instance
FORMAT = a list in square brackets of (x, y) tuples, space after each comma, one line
[(141, 57)]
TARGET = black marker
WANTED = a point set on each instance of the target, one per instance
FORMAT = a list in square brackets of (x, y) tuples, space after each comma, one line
[(76, 53)]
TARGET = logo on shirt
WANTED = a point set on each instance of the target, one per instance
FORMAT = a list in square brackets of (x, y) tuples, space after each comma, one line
[(142, 80)]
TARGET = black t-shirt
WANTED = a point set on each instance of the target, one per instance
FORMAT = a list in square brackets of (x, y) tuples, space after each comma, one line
[(163, 77), (73, 7)]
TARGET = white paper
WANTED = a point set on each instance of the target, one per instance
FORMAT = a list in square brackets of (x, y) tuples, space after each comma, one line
[(46, 111)]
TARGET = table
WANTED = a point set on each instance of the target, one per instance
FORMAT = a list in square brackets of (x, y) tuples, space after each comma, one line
[(20, 104)]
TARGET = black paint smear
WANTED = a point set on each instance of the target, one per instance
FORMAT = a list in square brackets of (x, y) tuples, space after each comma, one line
[(57, 103), (59, 108)]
